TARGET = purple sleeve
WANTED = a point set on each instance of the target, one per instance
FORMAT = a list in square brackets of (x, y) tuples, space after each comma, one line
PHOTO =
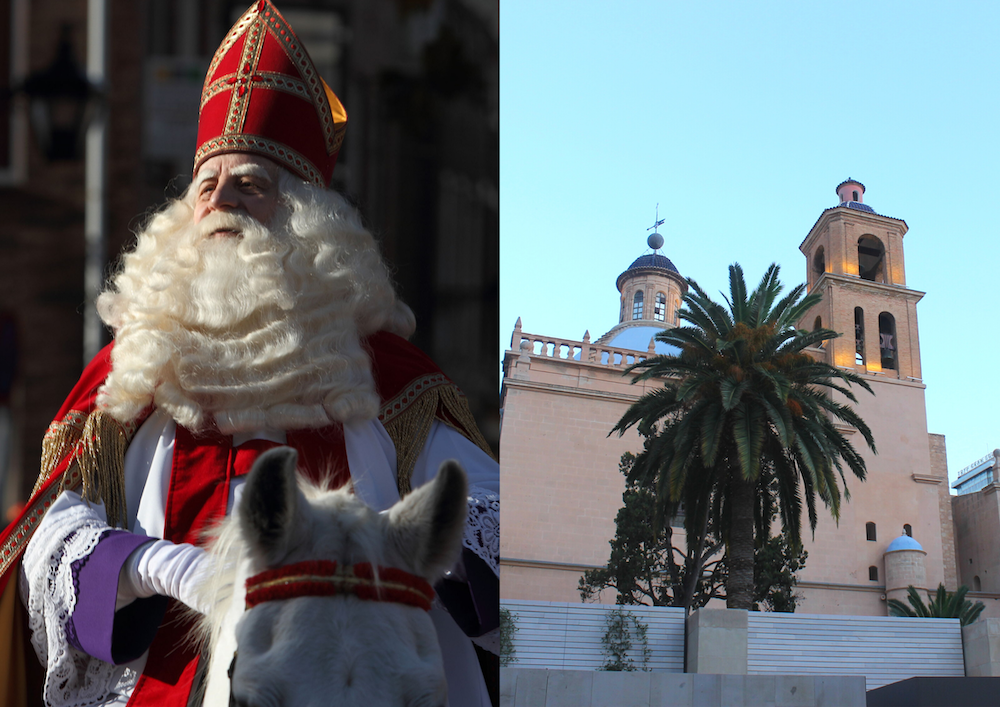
[(95, 627)]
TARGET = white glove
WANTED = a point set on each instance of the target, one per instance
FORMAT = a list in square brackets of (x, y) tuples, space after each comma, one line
[(163, 567)]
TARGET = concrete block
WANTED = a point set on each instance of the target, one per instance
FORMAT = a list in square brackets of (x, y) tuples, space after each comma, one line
[(794, 691), (531, 688), (719, 618), (508, 686), (840, 691), (981, 646), (717, 641), (707, 691), (731, 691), (620, 689), (759, 691), (671, 689), (569, 688)]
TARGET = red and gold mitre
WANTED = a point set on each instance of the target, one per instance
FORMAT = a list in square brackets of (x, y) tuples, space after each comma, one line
[(263, 95)]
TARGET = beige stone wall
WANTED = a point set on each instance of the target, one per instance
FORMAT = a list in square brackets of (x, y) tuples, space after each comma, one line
[(559, 467), (900, 489), (562, 488), (841, 599), (977, 528), (939, 468)]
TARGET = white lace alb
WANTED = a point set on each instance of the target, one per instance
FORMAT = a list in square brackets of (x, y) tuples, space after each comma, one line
[(482, 529), (72, 678)]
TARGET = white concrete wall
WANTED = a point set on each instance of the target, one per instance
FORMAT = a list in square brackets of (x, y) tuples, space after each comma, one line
[(521, 687)]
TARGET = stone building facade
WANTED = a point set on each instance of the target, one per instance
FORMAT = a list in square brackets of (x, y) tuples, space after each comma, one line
[(560, 399)]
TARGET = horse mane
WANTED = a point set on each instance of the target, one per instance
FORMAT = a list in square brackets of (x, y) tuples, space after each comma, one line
[(226, 544)]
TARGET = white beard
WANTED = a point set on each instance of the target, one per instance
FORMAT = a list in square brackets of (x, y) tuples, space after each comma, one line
[(261, 331)]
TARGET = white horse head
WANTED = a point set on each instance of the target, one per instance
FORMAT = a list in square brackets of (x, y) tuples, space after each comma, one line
[(341, 649)]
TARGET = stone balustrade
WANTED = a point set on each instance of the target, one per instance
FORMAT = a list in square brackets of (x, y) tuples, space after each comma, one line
[(569, 350)]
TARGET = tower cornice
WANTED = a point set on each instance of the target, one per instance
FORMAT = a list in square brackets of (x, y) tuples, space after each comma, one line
[(848, 215), (859, 284)]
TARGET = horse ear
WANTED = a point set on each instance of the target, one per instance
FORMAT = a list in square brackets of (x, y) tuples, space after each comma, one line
[(427, 525), (269, 502)]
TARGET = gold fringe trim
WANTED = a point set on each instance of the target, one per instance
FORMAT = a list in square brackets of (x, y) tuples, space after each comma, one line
[(101, 457), (59, 441), (410, 428), (409, 431)]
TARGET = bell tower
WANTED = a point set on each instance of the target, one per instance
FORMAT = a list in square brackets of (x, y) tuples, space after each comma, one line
[(855, 260)]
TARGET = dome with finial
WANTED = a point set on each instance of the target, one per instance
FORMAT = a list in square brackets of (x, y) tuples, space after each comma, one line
[(651, 292), (653, 261)]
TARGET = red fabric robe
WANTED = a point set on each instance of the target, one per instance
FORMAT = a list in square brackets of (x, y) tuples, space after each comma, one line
[(199, 488)]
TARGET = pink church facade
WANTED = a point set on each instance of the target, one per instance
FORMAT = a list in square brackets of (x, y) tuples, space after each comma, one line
[(560, 398)]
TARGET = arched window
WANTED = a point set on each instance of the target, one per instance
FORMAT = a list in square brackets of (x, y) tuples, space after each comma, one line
[(873, 573), (637, 305), (870, 531), (818, 323), (871, 259), (887, 340), (977, 584), (859, 336), (855, 195), (907, 529), (660, 307), (819, 261)]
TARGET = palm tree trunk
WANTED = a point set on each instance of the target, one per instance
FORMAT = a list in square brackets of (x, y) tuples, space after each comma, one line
[(739, 588)]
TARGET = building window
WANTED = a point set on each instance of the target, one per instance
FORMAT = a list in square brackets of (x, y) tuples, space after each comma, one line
[(870, 531), (660, 308), (819, 261), (977, 584), (637, 305), (859, 336), (873, 573), (887, 340), (908, 530), (871, 259), (855, 195)]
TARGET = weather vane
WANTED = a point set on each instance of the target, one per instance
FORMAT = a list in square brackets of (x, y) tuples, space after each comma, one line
[(655, 240)]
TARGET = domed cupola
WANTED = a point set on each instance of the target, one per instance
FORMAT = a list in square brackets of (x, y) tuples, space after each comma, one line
[(651, 290), (904, 567), (852, 194)]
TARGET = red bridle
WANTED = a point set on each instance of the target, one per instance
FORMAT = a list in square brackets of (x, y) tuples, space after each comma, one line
[(322, 578)]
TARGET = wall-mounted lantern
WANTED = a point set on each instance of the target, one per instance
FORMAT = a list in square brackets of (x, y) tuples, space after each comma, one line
[(62, 102)]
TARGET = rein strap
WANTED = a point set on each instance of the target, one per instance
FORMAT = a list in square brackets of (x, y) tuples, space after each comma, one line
[(322, 578)]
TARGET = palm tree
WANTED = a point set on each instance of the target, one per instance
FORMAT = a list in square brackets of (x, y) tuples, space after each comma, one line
[(745, 423), (945, 605)]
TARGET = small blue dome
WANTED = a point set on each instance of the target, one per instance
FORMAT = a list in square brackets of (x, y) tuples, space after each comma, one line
[(904, 542), (637, 338), (858, 206)]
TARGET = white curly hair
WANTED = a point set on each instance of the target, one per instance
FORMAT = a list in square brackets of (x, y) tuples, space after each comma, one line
[(258, 332)]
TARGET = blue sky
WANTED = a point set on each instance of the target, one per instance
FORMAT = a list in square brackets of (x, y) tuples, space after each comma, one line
[(739, 120)]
